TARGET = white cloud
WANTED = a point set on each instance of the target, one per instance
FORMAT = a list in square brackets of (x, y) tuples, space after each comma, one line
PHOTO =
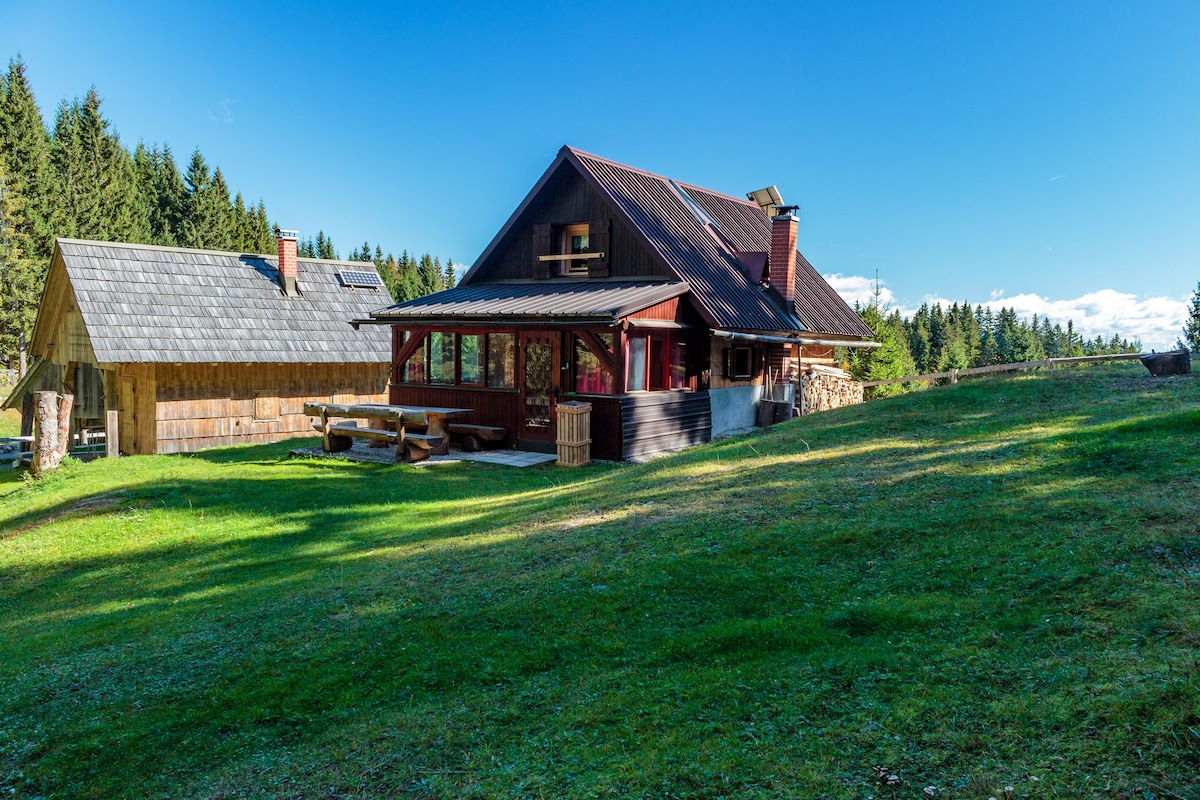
[(855, 288), (1156, 321), (226, 114)]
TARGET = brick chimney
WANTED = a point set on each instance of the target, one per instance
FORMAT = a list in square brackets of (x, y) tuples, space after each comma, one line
[(286, 241), (784, 226)]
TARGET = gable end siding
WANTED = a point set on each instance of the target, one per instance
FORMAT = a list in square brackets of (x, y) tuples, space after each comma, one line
[(565, 199)]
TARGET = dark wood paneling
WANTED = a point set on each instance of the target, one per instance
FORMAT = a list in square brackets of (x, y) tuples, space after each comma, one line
[(652, 422), (498, 408), (565, 199)]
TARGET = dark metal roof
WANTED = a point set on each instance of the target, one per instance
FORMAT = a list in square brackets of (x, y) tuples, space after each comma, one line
[(166, 304), (654, 208), (823, 309), (574, 299), (701, 237)]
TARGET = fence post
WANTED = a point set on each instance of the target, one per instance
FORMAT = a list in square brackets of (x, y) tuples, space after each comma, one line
[(112, 445), (953, 376)]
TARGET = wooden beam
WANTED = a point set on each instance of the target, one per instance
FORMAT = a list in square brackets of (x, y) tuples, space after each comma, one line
[(112, 435), (416, 338), (597, 348), (571, 257)]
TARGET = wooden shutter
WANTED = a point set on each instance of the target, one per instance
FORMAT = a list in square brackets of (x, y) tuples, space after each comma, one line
[(599, 241), (541, 247)]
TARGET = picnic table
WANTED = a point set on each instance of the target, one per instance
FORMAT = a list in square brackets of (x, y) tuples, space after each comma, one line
[(410, 445)]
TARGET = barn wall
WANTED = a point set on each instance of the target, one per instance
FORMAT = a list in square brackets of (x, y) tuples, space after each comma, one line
[(216, 405)]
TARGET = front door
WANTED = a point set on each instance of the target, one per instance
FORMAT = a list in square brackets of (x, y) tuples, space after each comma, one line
[(539, 381)]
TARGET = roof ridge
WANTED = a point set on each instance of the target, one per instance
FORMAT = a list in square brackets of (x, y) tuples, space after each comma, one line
[(691, 186), (668, 179), (172, 249)]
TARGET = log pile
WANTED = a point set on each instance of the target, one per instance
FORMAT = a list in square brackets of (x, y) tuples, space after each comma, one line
[(824, 388)]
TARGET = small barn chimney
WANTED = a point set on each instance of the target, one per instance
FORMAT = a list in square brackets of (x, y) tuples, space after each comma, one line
[(286, 241), (784, 227)]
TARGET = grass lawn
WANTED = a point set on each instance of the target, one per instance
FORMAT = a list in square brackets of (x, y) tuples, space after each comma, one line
[(977, 587)]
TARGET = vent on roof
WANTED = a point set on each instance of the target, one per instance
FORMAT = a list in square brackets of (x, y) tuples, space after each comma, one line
[(360, 278)]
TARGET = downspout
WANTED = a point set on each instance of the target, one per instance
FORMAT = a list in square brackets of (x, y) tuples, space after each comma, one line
[(800, 340)]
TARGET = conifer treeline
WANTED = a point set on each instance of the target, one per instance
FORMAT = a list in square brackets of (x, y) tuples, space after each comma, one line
[(938, 340), (78, 181)]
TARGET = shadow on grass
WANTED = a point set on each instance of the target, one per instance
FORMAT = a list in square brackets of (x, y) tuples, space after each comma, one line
[(293, 604)]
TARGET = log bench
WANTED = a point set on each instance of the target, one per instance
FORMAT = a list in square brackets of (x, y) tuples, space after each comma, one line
[(337, 437), (477, 437), (410, 447)]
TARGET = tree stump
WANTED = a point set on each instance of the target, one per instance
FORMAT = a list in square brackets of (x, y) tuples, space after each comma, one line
[(51, 430)]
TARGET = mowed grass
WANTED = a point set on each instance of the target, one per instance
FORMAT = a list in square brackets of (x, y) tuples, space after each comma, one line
[(978, 587)]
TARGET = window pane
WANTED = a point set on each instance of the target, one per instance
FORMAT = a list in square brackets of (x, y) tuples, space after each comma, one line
[(658, 373), (635, 365), (470, 356), (501, 361), (413, 370), (441, 357), (679, 364), (590, 374)]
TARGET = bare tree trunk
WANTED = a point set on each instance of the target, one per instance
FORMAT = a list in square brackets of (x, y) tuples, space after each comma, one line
[(51, 430), (65, 402), (45, 432)]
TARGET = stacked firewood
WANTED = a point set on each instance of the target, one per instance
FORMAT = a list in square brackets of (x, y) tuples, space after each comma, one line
[(827, 387)]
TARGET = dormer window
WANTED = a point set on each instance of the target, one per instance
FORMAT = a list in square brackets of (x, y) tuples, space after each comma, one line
[(574, 241)]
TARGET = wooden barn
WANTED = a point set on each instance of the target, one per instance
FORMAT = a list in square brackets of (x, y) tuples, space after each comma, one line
[(196, 348), (666, 306)]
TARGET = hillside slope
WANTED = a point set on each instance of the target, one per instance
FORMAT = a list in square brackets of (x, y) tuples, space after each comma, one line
[(977, 587)]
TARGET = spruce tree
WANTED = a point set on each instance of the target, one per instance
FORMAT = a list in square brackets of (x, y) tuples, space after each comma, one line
[(99, 192), (207, 225), (26, 144), (450, 278), (21, 274), (1191, 327)]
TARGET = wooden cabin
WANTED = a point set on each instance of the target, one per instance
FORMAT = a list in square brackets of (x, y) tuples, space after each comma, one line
[(666, 306), (197, 348)]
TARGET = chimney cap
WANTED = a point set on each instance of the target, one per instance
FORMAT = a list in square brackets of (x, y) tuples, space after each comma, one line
[(285, 234), (786, 211)]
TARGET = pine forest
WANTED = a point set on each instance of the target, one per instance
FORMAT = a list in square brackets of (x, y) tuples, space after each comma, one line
[(75, 179)]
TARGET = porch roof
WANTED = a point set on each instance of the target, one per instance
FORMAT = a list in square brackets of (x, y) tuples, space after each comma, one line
[(608, 301)]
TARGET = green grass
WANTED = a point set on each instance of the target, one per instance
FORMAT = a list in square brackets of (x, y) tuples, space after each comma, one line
[(980, 586)]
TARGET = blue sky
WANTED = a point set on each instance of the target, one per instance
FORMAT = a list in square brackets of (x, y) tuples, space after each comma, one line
[(1039, 155)]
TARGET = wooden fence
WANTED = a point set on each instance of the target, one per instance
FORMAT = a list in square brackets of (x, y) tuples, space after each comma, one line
[(1046, 363)]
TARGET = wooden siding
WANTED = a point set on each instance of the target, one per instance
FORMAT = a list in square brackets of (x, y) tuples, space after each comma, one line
[(652, 422), (667, 310), (216, 405), (567, 198), (497, 407)]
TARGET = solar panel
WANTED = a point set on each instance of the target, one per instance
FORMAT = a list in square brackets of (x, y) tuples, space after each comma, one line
[(361, 277)]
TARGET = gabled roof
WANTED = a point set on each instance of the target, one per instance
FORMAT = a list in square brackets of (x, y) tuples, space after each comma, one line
[(600, 301), (143, 303), (696, 235)]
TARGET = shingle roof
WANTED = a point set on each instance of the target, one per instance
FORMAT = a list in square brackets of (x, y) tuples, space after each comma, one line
[(575, 299), (164, 304)]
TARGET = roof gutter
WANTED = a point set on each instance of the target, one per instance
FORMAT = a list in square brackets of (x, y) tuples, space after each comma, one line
[(800, 340)]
